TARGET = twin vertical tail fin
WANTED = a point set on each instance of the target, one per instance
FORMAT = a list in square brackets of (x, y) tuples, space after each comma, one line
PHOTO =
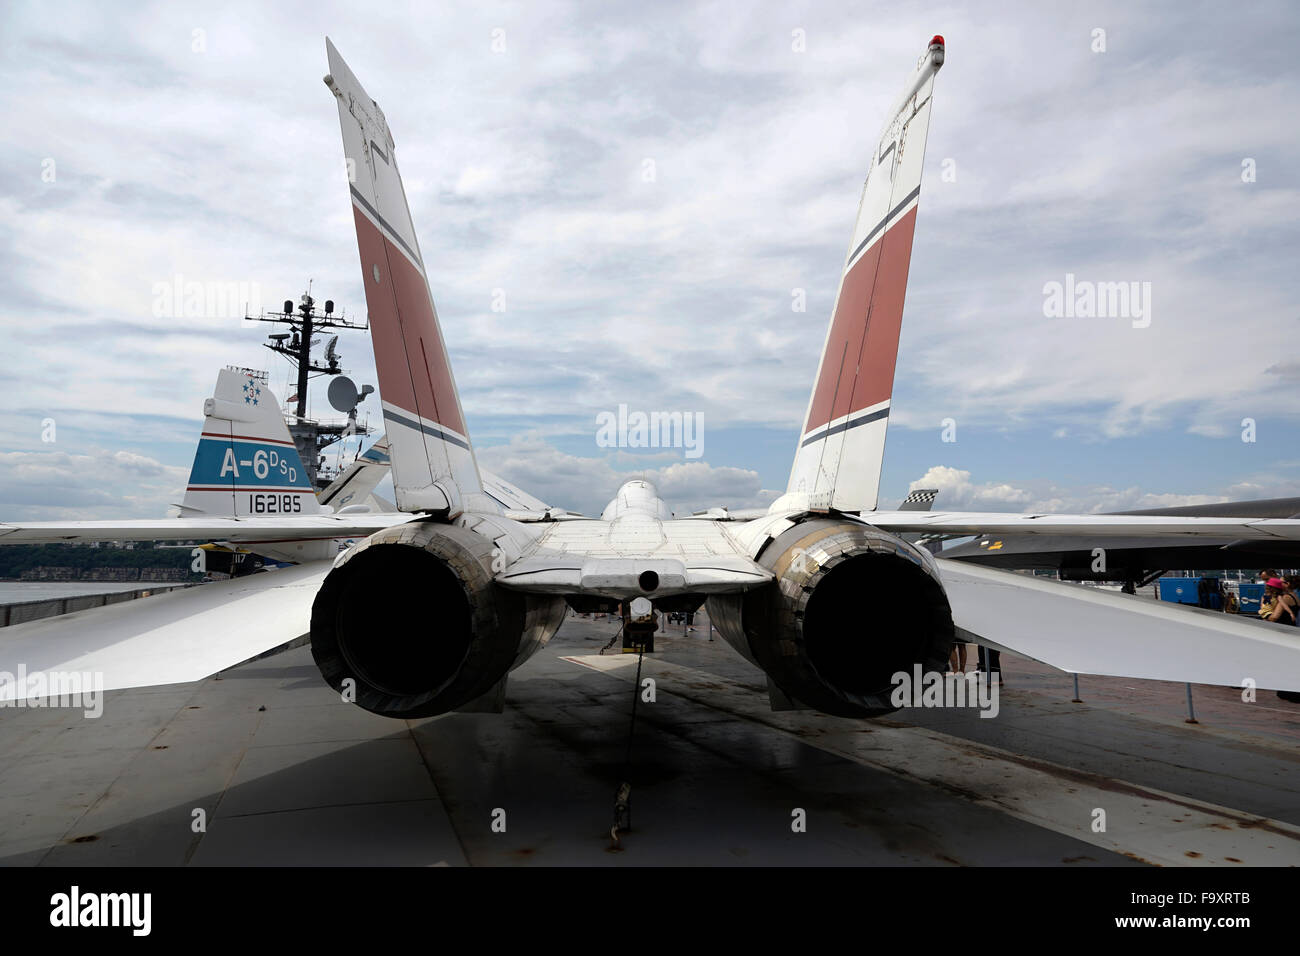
[(841, 447), (842, 444), (434, 469), (246, 463)]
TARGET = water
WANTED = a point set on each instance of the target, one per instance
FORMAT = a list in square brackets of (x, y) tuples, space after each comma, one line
[(13, 592)]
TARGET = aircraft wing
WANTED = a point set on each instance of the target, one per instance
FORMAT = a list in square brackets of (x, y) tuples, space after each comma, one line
[(185, 635), (1073, 553), (1133, 557), (1090, 631), (234, 530), (1094, 525)]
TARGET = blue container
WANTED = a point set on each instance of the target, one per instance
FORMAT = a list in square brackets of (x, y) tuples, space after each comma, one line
[(1249, 597), (1181, 590)]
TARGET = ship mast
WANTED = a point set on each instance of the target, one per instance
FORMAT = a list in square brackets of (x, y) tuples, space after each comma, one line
[(304, 321)]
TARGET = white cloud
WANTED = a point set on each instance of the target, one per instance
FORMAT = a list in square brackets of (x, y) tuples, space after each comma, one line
[(957, 492), (523, 172), (586, 485), (56, 485)]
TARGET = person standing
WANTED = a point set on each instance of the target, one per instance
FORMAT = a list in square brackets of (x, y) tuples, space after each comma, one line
[(990, 660), (957, 658)]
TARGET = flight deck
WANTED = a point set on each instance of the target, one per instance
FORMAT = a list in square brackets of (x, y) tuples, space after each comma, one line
[(265, 765)]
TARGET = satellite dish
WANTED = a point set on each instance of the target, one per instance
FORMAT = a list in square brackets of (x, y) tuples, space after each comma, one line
[(343, 394)]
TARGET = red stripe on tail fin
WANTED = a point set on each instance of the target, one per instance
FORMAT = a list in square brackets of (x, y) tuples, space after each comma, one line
[(434, 469), (842, 445)]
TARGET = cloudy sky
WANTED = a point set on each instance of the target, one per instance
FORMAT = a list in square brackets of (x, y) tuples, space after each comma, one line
[(149, 142)]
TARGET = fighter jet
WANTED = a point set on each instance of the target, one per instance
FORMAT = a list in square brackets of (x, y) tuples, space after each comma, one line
[(430, 612)]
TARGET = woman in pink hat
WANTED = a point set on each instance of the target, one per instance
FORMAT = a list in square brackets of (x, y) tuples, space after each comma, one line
[(1286, 609)]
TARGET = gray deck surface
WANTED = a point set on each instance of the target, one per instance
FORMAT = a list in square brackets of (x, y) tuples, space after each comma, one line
[(716, 777)]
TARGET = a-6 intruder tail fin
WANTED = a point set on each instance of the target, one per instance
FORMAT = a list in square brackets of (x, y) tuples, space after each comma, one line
[(246, 462)]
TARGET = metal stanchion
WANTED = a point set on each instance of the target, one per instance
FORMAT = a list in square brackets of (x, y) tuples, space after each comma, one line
[(1191, 712), (1077, 699)]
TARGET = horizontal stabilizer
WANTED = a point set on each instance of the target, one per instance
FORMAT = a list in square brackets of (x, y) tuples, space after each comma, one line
[(182, 636), (249, 531), (1085, 630)]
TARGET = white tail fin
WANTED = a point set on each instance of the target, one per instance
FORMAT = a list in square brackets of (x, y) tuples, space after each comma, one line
[(512, 497), (356, 484), (842, 444), (246, 463), (434, 469)]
